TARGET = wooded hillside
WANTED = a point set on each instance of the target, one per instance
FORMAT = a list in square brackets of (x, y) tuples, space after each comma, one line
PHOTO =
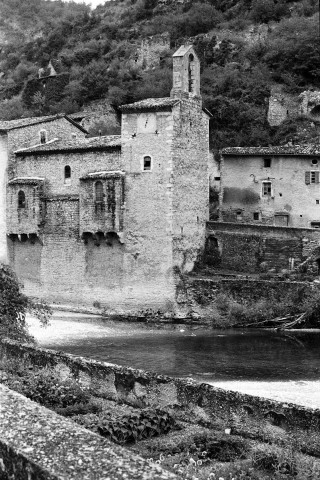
[(245, 47)]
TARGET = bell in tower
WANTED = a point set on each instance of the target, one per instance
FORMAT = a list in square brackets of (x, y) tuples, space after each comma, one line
[(186, 73)]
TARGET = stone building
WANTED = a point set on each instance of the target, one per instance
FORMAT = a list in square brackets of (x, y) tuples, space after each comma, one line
[(271, 186), (24, 133), (111, 221)]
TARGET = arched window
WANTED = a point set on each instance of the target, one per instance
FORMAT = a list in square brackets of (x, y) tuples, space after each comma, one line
[(191, 73), (43, 136), (21, 199), (67, 175), (147, 163), (98, 192)]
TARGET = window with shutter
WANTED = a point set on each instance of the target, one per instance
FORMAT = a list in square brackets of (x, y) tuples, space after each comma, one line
[(312, 177), (307, 178)]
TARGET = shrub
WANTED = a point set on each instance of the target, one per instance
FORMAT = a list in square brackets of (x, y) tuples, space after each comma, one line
[(14, 305), (137, 426)]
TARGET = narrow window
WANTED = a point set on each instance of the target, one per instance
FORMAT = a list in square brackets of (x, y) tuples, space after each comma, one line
[(147, 163), (311, 177), (191, 73), (67, 175), (43, 136), (317, 202), (266, 189), (239, 215), (21, 199), (255, 215), (267, 162), (98, 192)]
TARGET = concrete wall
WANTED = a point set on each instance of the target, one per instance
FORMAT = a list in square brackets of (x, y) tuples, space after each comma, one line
[(242, 178)]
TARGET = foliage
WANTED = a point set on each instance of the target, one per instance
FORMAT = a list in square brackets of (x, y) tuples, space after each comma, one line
[(14, 305), (95, 55), (137, 426)]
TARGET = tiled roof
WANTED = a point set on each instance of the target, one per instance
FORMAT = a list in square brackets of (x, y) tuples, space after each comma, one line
[(165, 103), (26, 181), (24, 122), (103, 174), (277, 150), (94, 143)]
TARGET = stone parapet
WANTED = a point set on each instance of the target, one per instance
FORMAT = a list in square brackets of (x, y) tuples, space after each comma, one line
[(134, 386), (38, 444)]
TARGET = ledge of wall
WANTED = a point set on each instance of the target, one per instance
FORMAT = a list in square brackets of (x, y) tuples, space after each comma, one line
[(149, 389), (38, 444)]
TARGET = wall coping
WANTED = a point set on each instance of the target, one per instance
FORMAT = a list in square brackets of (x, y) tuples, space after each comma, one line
[(129, 385), (38, 444), (267, 228)]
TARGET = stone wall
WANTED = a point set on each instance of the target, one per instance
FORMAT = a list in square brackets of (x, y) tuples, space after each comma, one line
[(38, 444), (152, 49), (190, 191), (148, 214), (253, 248), (29, 135), (134, 387), (3, 198)]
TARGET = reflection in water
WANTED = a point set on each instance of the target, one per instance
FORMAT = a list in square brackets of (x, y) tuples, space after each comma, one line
[(206, 355)]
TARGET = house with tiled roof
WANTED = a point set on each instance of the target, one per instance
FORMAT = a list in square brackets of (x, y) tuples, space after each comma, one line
[(276, 185), (111, 221), (23, 133)]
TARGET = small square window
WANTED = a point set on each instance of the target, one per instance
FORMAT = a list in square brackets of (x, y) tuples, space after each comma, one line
[(255, 215), (267, 162), (217, 179)]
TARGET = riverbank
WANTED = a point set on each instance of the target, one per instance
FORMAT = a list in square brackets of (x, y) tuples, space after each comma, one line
[(263, 363), (195, 431)]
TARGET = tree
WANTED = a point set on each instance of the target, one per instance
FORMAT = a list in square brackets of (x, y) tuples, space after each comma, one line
[(14, 305)]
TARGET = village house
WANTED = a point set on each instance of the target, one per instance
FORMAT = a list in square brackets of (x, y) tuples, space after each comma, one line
[(111, 221), (23, 133), (271, 186)]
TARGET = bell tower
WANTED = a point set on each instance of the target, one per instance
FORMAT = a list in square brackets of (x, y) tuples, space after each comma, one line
[(186, 73)]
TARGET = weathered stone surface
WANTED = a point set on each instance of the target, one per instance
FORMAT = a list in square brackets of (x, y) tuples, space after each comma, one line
[(37, 444), (198, 400)]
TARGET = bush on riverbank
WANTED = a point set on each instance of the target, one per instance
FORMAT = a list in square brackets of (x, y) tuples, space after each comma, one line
[(229, 311), (14, 305)]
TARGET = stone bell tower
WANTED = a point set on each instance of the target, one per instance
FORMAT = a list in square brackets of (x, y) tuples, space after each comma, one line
[(186, 73)]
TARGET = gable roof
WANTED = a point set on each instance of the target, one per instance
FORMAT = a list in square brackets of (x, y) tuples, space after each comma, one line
[(7, 125), (165, 103), (183, 50), (108, 142), (304, 150)]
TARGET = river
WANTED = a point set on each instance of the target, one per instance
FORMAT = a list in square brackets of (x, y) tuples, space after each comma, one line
[(281, 366)]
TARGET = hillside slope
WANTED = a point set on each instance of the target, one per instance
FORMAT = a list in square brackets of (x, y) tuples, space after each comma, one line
[(121, 52)]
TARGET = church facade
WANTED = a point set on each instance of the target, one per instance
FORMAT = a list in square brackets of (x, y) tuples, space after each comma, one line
[(112, 221)]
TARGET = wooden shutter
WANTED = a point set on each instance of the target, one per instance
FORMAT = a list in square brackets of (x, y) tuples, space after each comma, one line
[(317, 177), (307, 178)]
